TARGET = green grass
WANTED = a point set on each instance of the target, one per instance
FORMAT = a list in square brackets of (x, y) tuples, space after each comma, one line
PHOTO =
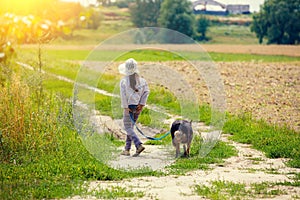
[(152, 118), (223, 190), (161, 96), (231, 34), (227, 57), (295, 181), (275, 141), (56, 174), (149, 55), (113, 193), (58, 87), (103, 104), (68, 54), (165, 141), (219, 152), (64, 89), (155, 55), (109, 83)]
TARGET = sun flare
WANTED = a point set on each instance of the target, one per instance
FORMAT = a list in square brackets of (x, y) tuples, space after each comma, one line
[(24, 6)]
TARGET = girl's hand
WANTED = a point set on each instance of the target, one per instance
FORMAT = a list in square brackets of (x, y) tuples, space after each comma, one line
[(139, 108), (127, 110)]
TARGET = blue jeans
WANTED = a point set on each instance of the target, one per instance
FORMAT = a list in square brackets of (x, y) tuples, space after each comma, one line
[(129, 128)]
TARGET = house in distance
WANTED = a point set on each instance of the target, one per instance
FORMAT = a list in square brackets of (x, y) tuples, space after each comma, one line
[(212, 7)]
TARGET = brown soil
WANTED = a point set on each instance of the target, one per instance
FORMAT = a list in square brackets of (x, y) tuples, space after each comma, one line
[(267, 90), (270, 91)]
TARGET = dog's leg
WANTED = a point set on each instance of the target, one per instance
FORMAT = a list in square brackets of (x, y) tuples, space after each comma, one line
[(177, 149), (188, 149), (184, 150)]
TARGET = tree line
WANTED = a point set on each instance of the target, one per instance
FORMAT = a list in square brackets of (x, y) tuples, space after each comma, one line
[(277, 21), (172, 14)]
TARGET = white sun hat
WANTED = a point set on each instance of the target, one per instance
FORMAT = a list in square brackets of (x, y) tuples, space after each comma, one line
[(129, 67)]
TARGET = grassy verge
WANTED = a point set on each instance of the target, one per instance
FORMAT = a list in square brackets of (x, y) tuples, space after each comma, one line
[(154, 55), (230, 57), (230, 190), (231, 34), (219, 152), (276, 142)]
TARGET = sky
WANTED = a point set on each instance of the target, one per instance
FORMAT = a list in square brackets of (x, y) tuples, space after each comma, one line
[(254, 4)]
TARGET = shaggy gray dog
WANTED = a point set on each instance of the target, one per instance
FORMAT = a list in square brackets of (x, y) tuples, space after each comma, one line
[(182, 133)]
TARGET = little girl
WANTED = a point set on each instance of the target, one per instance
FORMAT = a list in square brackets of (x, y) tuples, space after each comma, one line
[(134, 93)]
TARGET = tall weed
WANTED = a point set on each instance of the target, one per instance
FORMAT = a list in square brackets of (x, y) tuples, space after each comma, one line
[(25, 126)]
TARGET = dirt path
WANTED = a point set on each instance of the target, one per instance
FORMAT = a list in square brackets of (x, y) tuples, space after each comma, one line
[(249, 166)]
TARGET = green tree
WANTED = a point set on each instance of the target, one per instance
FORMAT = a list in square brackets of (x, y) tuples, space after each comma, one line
[(123, 3), (144, 13), (177, 15), (278, 21), (202, 25)]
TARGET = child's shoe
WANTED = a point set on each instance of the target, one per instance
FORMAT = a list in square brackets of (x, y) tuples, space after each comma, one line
[(139, 150), (125, 153)]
